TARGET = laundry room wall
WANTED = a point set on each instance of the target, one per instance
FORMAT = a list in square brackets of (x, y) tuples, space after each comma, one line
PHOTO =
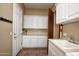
[(6, 11), (72, 30)]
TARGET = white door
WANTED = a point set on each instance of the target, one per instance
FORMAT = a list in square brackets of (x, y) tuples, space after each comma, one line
[(14, 42), (17, 29)]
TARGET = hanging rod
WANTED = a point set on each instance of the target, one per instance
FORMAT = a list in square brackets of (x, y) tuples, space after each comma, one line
[(5, 20)]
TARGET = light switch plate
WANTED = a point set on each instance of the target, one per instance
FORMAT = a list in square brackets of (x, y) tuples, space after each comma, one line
[(10, 33)]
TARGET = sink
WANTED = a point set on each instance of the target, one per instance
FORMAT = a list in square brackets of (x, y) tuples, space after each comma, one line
[(66, 45)]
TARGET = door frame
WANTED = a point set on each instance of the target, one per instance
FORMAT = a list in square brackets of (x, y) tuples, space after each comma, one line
[(17, 33), (50, 37)]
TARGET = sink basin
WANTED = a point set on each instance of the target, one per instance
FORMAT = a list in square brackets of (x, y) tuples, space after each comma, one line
[(66, 45)]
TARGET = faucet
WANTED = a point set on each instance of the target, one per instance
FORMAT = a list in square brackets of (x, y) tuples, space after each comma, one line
[(70, 38)]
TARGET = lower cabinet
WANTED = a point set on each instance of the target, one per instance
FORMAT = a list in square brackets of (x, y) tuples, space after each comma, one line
[(34, 41), (54, 51)]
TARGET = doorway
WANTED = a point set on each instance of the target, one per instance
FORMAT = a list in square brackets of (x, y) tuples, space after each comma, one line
[(37, 29)]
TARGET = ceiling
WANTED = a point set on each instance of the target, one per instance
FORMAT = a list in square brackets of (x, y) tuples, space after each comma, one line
[(38, 5)]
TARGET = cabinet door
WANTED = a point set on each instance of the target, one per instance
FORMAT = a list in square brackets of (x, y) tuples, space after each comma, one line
[(45, 22), (65, 12), (40, 22), (61, 13), (28, 21), (51, 51), (33, 21), (73, 10), (44, 41), (58, 13), (26, 42)]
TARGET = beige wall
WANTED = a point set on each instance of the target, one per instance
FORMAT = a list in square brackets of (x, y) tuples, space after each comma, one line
[(72, 29), (6, 11), (37, 32), (36, 12)]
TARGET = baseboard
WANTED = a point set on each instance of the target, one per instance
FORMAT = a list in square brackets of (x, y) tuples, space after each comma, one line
[(4, 54)]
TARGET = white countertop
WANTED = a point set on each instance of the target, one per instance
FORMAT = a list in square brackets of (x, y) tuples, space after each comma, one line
[(66, 46)]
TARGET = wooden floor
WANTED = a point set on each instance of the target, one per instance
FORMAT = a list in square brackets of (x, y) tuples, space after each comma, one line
[(33, 52)]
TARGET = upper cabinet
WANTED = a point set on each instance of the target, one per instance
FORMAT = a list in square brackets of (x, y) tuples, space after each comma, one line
[(67, 12), (35, 22)]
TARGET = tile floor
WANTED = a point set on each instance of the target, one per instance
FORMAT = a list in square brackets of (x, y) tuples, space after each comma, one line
[(33, 52)]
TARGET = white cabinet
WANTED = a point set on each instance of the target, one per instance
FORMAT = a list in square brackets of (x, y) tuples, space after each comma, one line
[(58, 13), (73, 8), (67, 12), (34, 41), (53, 50), (35, 21), (61, 13), (28, 21), (73, 11)]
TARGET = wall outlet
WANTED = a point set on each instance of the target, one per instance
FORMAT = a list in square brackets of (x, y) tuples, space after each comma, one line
[(10, 33)]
